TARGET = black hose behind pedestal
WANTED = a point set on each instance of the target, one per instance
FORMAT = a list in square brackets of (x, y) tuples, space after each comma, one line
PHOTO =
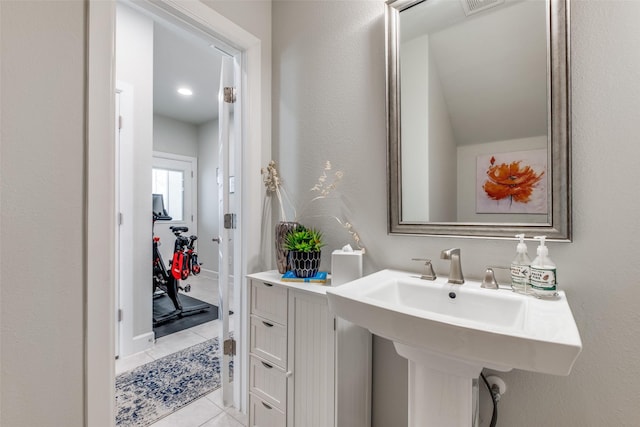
[(494, 415)]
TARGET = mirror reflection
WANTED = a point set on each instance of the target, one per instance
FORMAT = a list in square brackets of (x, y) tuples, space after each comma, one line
[(472, 144)]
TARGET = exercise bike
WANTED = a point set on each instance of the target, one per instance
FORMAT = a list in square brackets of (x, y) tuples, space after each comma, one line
[(183, 264)]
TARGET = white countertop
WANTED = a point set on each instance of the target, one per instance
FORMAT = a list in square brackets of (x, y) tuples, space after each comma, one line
[(273, 276)]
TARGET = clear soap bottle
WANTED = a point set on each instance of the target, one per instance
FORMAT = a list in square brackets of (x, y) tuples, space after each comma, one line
[(543, 280), (520, 268)]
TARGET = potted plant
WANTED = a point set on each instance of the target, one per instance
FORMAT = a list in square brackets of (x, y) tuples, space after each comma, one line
[(304, 246)]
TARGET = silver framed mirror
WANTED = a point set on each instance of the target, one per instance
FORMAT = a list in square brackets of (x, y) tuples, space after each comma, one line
[(478, 118)]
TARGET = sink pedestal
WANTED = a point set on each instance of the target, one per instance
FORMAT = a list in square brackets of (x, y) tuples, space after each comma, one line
[(440, 389)]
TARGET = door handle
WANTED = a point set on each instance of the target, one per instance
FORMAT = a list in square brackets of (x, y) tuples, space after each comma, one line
[(216, 239)]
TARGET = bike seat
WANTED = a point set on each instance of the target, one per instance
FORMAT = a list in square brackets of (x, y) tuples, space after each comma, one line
[(193, 238), (179, 229)]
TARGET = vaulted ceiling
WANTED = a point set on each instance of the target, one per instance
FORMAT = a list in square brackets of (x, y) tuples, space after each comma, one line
[(492, 66)]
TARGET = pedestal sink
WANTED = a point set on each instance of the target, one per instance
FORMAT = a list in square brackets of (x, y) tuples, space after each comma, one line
[(449, 333)]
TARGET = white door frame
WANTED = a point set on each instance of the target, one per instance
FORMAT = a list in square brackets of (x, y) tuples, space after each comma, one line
[(99, 369), (124, 277)]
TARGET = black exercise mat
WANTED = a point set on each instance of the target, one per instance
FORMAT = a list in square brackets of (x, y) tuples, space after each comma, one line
[(163, 304)]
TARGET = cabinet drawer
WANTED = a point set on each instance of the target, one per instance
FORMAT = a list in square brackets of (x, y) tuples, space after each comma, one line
[(262, 414), (268, 382), (269, 341), (269, 301)]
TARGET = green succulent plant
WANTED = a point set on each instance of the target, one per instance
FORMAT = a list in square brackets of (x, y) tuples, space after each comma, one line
[(303, 239)]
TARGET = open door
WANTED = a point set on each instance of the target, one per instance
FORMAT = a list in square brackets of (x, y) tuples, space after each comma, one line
[(229, 206)]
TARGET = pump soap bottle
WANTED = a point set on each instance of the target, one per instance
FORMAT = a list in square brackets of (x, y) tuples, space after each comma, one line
[(543, 273), (520, 268)]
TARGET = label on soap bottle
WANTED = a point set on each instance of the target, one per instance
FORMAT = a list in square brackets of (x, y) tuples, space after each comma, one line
[(543, 279), (520, 274)]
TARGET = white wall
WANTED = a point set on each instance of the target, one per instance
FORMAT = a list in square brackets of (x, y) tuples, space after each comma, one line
[(174, 136), (429, 148), (329, 102), (134, 65), (442, 166), (208, 195), (41, 213), (414, 73)]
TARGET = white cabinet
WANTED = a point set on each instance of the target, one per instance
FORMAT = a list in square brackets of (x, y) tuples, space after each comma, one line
[(307, 368)]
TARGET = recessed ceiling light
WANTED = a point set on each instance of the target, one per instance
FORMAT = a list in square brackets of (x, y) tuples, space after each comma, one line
[(185, 91)]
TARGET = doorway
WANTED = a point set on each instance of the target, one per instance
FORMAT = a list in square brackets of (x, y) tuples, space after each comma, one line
[(174, 74), (249, 46)]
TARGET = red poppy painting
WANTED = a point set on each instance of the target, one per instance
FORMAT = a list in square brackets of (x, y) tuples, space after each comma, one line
[(512, 182)]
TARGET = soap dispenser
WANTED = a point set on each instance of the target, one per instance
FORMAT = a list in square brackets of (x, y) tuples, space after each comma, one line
[(543, 273), (520, 268)]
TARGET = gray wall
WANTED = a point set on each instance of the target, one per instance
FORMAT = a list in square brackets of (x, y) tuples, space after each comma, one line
[(41, 213), (208, 210), (329, 103), (208, 202), (174, 136)]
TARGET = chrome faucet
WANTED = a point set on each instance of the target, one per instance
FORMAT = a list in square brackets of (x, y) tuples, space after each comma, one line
[(455, 274)]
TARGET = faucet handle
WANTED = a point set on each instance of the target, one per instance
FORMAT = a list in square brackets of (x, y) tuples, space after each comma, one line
[(429, 274), (489, 281)]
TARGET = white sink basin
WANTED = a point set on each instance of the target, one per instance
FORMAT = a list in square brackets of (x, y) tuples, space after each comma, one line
[(496, 329)]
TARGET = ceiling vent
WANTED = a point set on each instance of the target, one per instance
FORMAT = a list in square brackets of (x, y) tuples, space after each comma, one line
[(474, 6)]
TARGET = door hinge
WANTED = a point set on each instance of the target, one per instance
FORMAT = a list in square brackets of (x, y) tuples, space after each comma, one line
[(119, 218), (119, 122), (334, 323), (119, 315), (230, 95), (230, 221), (229, 347)]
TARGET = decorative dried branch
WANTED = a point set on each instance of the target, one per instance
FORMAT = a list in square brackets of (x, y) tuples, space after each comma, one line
[(327, 183)]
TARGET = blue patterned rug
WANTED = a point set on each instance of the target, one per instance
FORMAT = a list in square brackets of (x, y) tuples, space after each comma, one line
[(159, 388)]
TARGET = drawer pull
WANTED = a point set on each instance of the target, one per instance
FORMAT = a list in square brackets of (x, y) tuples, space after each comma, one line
[(267, 284), (266, 406), (267, 324), (266, 365)]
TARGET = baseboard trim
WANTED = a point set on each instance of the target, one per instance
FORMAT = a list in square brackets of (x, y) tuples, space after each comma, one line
[(209, 274), (143, 342)]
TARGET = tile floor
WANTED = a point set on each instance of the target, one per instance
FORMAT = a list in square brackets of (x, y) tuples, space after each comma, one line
[(208, 411)]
